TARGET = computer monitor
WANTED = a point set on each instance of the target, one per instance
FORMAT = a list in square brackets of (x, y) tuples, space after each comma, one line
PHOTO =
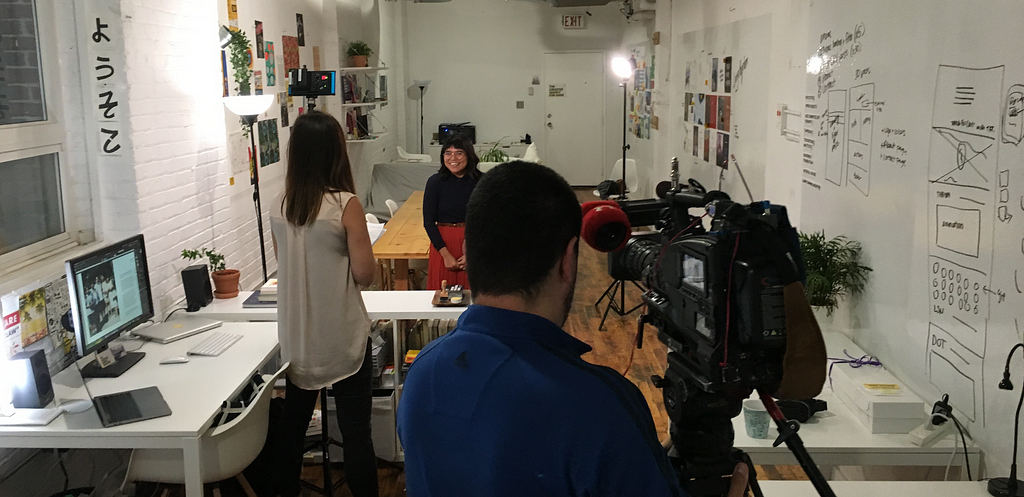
[(110, 294)]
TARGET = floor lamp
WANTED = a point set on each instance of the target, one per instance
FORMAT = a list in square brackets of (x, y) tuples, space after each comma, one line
[(248, 107), (422, 83), (623, 69)]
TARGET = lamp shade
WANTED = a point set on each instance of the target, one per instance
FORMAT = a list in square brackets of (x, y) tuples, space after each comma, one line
[(248, 105), (621, 67), (225, 36), (422, 83)]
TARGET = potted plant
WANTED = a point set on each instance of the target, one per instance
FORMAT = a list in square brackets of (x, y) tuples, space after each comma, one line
[(358, 52), (495, 154), (225, 281), (241, 54), (833, 269)]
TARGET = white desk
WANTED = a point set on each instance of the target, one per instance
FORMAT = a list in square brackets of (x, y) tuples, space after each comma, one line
[(394, 305), (872, 488), (837, 438), (194, 391)]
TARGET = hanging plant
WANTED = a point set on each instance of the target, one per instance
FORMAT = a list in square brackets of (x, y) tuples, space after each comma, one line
[(833, 269), (240, 55)]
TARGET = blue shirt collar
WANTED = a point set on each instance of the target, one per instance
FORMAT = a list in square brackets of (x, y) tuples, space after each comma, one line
[(499, 322)]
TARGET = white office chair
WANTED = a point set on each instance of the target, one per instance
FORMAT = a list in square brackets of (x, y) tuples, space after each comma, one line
[(392, 206), (370, 218), (406, 156), (632, 179), (531, 154), (225, 450)]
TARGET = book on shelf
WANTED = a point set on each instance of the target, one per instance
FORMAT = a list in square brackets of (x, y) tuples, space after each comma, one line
[(268, 292)]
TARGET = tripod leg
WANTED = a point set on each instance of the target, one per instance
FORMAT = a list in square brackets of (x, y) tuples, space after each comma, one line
[(605, 294), (611, 302), (325, 441)]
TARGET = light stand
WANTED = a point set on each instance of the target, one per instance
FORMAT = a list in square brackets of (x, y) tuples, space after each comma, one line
[(623, 69), (1011, 486), (422, 84), (249, 107)]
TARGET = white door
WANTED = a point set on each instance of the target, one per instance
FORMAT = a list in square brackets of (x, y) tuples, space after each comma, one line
[(574, 116)]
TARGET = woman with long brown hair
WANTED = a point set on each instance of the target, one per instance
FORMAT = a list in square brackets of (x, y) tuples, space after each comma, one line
[(324, 259)]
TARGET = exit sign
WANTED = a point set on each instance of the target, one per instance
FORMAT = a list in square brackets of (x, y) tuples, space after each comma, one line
[(573, 22)]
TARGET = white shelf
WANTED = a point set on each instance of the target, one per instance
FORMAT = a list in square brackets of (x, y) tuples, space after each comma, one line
[(362, 104), (373, 138), (350, 70)]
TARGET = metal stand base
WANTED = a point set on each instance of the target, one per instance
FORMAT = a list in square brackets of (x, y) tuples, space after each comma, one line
[(619, 287), (324, 445)]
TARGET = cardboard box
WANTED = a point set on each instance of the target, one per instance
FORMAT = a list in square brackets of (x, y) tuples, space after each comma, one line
[(877, 399)]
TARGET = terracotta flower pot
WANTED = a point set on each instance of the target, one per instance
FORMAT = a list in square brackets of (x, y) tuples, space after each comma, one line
[(225, 283), (357, 60)]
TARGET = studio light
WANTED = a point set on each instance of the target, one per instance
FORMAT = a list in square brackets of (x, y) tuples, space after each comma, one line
[(623, 68), (225, 37), (248, 107)]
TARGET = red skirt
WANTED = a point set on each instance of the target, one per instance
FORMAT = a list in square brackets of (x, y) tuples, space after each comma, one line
[(436, 271)]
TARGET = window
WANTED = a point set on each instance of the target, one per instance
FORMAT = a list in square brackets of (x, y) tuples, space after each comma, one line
[(32, 198)]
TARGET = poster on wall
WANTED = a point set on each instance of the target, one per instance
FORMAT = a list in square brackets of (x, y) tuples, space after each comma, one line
[(300, 30), (282, 100), (224, 71), (723, 113), (290, 47), (258, 78), (271, 66), (270, 149), (259, 40), (723, 151), (32, 314), (233, 11), (728, 75)]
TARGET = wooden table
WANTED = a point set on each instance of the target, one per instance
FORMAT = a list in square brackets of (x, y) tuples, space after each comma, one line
[(404, 239)]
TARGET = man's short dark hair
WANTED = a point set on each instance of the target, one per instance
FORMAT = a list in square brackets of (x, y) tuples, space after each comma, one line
[(519, 220)]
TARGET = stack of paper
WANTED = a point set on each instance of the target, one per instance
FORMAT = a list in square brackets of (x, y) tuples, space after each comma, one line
[(268, 292)]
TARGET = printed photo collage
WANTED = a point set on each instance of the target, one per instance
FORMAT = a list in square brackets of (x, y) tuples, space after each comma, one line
[(709, 114)]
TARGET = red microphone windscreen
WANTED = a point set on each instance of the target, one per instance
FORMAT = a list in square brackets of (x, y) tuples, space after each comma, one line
[(606, 228), (593, 204)]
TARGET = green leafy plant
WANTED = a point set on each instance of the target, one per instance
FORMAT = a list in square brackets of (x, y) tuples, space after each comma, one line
[(216, 258), (239, 48), (833, 269), (358, 48), (495, 154)]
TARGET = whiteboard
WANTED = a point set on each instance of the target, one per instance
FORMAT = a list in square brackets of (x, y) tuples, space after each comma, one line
[(912, 130), (719, 100)]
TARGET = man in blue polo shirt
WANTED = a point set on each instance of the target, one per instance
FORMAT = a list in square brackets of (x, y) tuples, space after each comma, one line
[(504, 405)]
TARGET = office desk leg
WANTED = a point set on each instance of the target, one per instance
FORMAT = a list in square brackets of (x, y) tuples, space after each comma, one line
[(396, 348), (401, 274), (193, 468)]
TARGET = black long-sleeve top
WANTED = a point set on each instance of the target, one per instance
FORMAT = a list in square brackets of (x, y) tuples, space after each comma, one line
[(444, 201)]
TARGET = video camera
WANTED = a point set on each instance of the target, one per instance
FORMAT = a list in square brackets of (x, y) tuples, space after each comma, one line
[(717, 297)]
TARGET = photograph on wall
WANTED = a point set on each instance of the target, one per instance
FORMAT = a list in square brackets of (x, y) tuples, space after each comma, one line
[(688, 102), (696, 140), (271, 65), (723, 151), (707, 137), (316, 58), (11, 324), (259, 40), (258, 82), (300, 30), (723, 112), (714, 74), (290, 47), (712, 111), (698, 110), (233, 10), (270, 149), (650, 74), (224, 71), (728, 74), (282, 100)]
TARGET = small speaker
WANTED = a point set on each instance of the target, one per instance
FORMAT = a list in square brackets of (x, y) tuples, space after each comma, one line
[(198, 292), (31, 387)]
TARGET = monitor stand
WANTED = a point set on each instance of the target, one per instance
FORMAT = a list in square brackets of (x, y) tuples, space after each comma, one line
[(94, 370)]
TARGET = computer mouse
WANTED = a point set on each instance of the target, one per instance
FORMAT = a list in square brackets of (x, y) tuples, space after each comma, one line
[(173, 360), (76, 405)]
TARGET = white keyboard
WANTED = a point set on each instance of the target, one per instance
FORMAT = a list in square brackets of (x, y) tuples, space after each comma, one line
[(31, 417), (215, 344)]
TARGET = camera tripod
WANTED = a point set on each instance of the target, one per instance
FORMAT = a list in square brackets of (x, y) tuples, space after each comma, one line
[(702, 437), (617, 287)]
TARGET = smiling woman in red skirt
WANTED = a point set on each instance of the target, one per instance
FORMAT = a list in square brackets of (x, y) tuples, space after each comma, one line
[(444, 211)]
